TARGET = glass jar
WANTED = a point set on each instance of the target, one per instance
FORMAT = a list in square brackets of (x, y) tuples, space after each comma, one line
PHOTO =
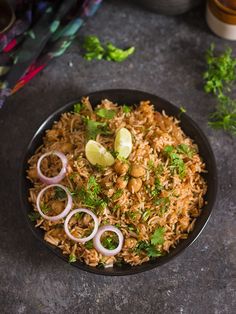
[(221, 18)]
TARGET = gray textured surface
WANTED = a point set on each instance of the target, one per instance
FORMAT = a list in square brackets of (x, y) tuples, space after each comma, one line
[(168, 62)]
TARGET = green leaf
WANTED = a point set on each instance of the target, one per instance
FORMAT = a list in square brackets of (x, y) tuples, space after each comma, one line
[(44, 208), (72, 258), (93, 48), (89, 244), (185, 150), (59, 193), (116, 54), (110, 242), (148, 248), (158, 236), (78, 107), (105, 113), (94, 128), (117, 194), (126, 109), (34, 216)]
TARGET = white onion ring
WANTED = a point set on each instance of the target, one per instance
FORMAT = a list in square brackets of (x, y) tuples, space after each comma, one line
[(64, 212), (57, 178), (97, 240), (81, 210)]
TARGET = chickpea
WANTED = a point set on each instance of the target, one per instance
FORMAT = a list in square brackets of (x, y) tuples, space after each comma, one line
[(32, 173), (66, 147), (130, 243), (57, 206), (137, 171), (121, 168), (134, 185), (121, 183)]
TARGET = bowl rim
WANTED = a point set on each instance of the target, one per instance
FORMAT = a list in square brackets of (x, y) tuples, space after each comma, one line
[(181, 246)]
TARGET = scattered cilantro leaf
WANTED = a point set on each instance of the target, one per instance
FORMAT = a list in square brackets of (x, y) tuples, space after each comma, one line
[(176, 162), (105, 113), (72, 258), (157, 188), (89, 244), (185, 149), (147, 248), (94, 128), (158, 236), (164, 202), (78, 107), (59, 193), (110, 242), (34, 216), (126, 109), (44, 208), (117, 194)]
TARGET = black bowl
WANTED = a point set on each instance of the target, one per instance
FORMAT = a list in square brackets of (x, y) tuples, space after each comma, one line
[(130, 97)]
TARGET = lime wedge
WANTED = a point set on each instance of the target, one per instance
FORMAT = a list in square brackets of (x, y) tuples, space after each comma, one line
[(98, 155), (123, 143)]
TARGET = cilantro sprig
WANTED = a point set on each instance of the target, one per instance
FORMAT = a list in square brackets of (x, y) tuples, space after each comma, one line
[(93, 128), (105, 113), (218, 80)]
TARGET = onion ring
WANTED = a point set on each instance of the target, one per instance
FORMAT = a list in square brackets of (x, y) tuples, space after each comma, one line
[(57, 178), (97, 240), (81, 210), (64, 212)]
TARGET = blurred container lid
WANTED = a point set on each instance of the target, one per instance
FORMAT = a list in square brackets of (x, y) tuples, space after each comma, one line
[(169, 7)]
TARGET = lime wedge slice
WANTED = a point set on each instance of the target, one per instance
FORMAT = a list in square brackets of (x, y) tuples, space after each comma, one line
[(123, 143), (98, 155)]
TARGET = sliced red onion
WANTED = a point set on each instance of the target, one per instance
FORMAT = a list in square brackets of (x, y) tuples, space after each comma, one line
[(81, 210), (97, 240), (64, 212), (57, 178)]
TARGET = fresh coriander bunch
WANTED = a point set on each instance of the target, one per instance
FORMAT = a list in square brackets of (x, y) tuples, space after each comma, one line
[(219, 79)]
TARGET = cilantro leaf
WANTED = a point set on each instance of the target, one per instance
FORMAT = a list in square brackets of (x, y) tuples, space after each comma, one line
[(126, 109), (176, 162), (158, 236), (89, 244), (78, 107), (185, 149), (34, 216), (220, 71), (59, 193), (110, 242), (148, 248), (94, 128), (105, 113), (72, 258)]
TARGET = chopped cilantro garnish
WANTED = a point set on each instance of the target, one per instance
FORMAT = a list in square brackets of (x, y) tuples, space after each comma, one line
[(117, 194), (164, 202), (45, 209), (78, 107), (59, 193), (110, 242), (105, 113), (176, 162), (94, 128), (157, 188), (148, 248), (34, 216), (72, 258), (126, 109), (185, 149), (89, 244), (146, 214), (158, 236), (79, 216)]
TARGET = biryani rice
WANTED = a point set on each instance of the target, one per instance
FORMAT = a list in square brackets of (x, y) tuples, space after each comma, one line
[(176, 207)]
